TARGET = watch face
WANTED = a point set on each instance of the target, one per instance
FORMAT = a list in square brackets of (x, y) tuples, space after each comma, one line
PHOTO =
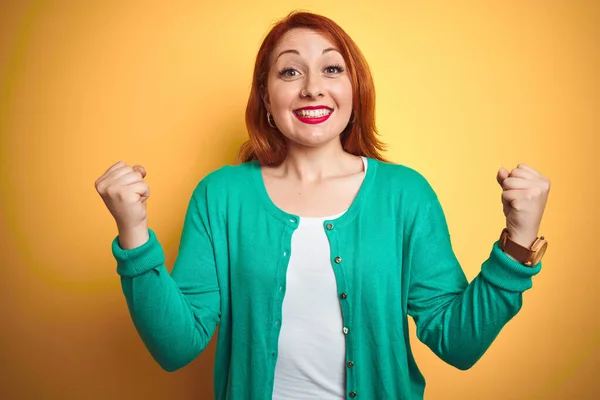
[(540, 253)]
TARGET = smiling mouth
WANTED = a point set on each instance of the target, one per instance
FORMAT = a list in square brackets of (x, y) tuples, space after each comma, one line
[(311, 113)]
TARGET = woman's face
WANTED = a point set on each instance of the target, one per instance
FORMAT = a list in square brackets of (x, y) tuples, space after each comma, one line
[(308, 93)]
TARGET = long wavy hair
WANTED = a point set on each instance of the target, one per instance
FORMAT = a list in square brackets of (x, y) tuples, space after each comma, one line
[(267, 144)]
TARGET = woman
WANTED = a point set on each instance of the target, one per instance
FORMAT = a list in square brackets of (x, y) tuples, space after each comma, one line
[(312, 252)]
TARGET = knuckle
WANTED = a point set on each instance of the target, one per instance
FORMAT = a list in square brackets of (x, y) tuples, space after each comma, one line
[(112, 191), (122, 194), (532, 193)]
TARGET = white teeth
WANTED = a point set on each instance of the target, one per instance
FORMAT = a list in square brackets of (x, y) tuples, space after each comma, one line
[(313, 113)]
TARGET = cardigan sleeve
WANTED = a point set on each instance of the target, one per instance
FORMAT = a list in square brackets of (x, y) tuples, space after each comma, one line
[(177, 314), (458, 320)]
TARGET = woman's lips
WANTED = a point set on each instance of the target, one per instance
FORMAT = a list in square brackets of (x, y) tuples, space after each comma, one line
[(313, 120)]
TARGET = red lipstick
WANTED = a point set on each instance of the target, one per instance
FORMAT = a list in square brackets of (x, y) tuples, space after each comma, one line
[(313, 120)]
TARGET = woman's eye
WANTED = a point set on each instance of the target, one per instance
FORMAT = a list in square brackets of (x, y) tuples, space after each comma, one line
[(334, 69), (288, 73), (293, 73)]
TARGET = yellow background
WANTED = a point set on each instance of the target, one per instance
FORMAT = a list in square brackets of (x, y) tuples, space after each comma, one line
[(463, 88)]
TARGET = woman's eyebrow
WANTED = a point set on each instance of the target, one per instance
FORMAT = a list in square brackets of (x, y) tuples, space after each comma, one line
[(298, 53)]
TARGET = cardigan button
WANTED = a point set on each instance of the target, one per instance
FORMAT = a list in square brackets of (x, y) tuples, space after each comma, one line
[(338, 259), (353, 394), (329, 227), (350, 364), (344, 296), (345, 330)]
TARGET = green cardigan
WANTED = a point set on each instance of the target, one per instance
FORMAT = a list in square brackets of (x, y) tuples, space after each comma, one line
[(391, 255)]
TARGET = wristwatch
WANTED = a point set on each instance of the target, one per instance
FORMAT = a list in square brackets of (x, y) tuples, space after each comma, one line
[(526, 256)]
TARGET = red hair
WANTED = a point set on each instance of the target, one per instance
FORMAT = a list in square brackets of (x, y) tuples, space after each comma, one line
[(267, 144)]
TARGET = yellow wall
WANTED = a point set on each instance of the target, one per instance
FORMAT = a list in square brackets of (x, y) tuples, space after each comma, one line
[(464, 88)]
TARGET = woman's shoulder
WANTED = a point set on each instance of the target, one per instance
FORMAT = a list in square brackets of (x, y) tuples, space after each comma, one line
[(403, 178), (226, 177)]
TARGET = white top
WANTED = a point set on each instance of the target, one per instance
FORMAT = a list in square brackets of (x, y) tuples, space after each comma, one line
[(312, 348)]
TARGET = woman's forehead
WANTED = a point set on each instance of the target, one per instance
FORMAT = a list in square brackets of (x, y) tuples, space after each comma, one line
[(303, 40)]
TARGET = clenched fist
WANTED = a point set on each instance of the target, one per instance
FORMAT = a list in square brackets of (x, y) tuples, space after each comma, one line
[(524, 196), (125, 193)]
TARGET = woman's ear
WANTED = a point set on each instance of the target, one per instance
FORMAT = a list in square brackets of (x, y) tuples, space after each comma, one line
[(264, 95)]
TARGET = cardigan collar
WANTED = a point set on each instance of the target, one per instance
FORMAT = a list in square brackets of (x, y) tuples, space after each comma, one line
[(292, 220)]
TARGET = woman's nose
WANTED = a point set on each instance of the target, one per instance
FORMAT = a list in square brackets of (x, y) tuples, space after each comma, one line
[(313, 86)]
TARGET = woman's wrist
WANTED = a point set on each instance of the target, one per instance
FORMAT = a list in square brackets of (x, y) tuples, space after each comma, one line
[(133, 237)]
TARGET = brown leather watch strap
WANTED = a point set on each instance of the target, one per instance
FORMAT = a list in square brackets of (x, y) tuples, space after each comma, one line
[(519, 252)]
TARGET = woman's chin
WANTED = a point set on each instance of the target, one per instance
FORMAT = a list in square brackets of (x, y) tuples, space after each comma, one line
[(313, 138)]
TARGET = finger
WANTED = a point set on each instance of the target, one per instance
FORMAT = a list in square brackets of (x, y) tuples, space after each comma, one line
[(516, 198), (128, 178), (140, 169), (508, 197), (502, 175), (516, 183), (526, 167), (119, 172), (142, 189), (112, 168), (525, 174)]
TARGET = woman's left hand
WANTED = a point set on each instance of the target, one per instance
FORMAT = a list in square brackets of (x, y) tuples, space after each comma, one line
[(524, 195)]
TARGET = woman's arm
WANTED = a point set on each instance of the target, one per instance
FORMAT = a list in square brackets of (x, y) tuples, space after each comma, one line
[(458, 320), (175, 315)]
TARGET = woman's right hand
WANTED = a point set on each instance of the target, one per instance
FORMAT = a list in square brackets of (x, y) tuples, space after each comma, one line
[(124, 192)]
